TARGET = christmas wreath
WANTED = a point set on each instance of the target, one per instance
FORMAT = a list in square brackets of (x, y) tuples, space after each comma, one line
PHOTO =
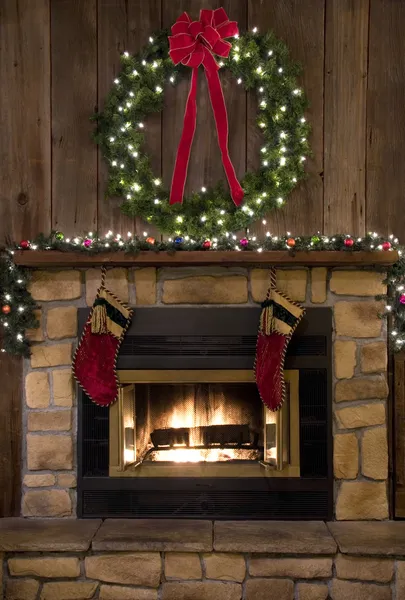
[(259, 63)]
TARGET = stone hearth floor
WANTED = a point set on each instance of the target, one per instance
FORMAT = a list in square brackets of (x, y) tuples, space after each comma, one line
[(129, 559)]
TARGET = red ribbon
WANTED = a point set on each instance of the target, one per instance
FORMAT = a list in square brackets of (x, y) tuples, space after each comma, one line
[(194, 43)]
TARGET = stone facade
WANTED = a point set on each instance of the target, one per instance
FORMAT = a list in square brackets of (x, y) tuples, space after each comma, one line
[(359, 380)]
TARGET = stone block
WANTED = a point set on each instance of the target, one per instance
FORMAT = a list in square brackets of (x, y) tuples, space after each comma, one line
[(345, 456), (67, 480), (116, 282), (182, 565), (224, 566), (68, 590), (206, 289), (21, 589), (345, 590), (364, 415), (136, 568), (202, 590), (269, 589), (291, 282), (50, 420), (362, 500), (61, 322), (400, 587), (358, 319), (47, 567), (55, 285), (373, 357), (46, 503), (40, 480), (37, 392), (364, 569), (51, 356), (312, 591), (361, 388), (375, 453), (115, 592), (62, 384), (298, 568), (384, 538), (37, 334), (145, 286), (318, 285), (54, 452), (344, 354), (357, 283)]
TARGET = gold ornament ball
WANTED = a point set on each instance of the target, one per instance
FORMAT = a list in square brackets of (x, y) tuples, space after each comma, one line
[(150, 240), (6, 309)]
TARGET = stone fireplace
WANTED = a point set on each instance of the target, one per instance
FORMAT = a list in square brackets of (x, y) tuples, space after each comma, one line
[(53, 450)]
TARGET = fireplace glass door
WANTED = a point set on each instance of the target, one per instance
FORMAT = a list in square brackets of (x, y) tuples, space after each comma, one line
[(201, 423)]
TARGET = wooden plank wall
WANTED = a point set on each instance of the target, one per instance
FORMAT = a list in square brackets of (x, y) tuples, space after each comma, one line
[(58, 59)]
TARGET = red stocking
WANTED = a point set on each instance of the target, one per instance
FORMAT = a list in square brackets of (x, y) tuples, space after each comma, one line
[(94, 363), (278, 321)]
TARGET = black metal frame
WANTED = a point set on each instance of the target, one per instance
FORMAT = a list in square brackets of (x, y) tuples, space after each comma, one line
[(176, 322)]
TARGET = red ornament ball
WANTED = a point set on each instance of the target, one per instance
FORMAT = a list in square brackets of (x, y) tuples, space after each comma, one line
[(150, 240), (207, 244), (349, 242), (291, 242), (87, 243), (6, 309), (244, 242), (386, 246), (24, 244), (402, 298)]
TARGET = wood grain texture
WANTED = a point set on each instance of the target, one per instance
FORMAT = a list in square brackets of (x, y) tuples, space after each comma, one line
[(74, 100), (10, 435), (25, 156), (205, 167), (386, 118), (399, 411), (112, 41), (346, 54), (301, 26)]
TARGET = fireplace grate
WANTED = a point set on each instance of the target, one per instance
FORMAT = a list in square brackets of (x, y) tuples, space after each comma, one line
[(215, 504)]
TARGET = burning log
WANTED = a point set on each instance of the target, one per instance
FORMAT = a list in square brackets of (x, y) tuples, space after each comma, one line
[(171, 437), (210, 435)]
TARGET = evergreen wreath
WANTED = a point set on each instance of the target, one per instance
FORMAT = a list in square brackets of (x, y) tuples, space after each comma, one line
[(258, 62)]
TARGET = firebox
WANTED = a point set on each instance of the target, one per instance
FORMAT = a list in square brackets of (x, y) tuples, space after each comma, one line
[(189, 435)]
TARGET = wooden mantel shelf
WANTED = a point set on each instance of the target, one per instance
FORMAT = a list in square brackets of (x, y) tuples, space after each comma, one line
[(54, 258)]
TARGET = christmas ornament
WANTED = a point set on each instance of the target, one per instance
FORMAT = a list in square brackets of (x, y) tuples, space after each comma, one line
[(244, 242), (59, 236), (192, 44), (179, 240), (291, 242), (24, 244), (94, 363), (386, 246), (87, 243), (6, 309), (150, 240), (278, 320), (349, 242), (402, 298), (207, 244), (315, 239)]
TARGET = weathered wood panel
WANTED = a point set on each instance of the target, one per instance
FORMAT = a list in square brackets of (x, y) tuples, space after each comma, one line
[(205, 167), (346, 53), (399, 411), (301, 26), (74, 100), (10, 435), (25, 158), (386, 119)]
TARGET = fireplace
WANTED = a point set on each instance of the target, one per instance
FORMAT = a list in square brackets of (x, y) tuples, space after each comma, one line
[(189, 435)]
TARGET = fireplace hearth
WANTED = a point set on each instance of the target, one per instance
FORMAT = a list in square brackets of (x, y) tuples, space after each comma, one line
[(189, 435)]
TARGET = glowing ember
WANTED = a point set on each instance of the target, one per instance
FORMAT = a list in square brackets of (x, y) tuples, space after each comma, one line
[(195, 455)]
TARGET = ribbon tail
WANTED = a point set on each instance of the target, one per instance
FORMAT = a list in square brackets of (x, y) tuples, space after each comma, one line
[(186, 140), (221, 123)]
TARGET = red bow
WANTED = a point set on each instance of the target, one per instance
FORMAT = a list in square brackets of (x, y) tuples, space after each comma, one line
[(194, 43)]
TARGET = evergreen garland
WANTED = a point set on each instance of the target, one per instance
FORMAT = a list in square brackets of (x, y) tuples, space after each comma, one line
[(258, 62)]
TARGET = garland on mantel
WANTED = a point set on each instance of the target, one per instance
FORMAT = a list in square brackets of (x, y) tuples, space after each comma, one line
[(17, 305)]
